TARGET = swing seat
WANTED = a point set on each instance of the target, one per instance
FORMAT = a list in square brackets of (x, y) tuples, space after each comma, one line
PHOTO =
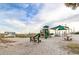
[(39, 40)]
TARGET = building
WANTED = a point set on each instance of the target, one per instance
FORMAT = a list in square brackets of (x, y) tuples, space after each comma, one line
[(9, 34)]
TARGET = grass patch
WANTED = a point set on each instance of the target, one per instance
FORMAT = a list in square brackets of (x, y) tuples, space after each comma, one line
[(74, 47)]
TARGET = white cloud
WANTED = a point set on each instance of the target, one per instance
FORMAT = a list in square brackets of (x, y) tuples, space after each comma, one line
[(24, 28), (50, 13)]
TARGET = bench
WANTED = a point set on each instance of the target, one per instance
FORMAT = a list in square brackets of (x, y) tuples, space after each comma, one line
[(68, 38)]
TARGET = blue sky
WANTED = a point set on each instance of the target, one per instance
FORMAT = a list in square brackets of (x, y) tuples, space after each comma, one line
[(20, 12), (30, 17)]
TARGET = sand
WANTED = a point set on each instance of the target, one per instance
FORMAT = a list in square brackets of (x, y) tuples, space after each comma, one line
[(50, 46)]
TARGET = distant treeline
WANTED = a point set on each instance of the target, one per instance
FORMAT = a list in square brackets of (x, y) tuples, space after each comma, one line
[(16, 35), (19, 35), (22, 35), (75, 33)]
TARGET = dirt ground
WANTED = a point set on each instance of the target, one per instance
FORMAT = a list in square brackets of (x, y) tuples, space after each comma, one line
[(23, 46)]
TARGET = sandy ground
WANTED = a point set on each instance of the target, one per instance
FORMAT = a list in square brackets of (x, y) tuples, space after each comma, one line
[(23, 46)]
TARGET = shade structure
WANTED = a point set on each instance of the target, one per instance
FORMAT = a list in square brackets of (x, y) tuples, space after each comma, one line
[(58, 29)]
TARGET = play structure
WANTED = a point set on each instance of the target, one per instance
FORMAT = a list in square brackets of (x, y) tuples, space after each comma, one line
[(44, 33)]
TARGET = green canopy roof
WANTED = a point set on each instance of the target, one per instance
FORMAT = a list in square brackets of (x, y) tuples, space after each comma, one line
[(45, 26), (59, 27)]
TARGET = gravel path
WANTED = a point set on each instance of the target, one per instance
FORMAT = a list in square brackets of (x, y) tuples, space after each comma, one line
[(50, 46)]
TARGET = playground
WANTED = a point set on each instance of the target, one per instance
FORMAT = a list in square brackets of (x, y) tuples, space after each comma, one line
[(39, 29), (60, 31), (42, 43)]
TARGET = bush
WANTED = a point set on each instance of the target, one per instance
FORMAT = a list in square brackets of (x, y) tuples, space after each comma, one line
[(74, 47), (76, 33), (21, 35)]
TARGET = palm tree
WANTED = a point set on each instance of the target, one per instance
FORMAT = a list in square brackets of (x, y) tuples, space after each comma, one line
[(72, 5)]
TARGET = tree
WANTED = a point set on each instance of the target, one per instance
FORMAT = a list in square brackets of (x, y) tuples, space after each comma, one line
[(72, 5)]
